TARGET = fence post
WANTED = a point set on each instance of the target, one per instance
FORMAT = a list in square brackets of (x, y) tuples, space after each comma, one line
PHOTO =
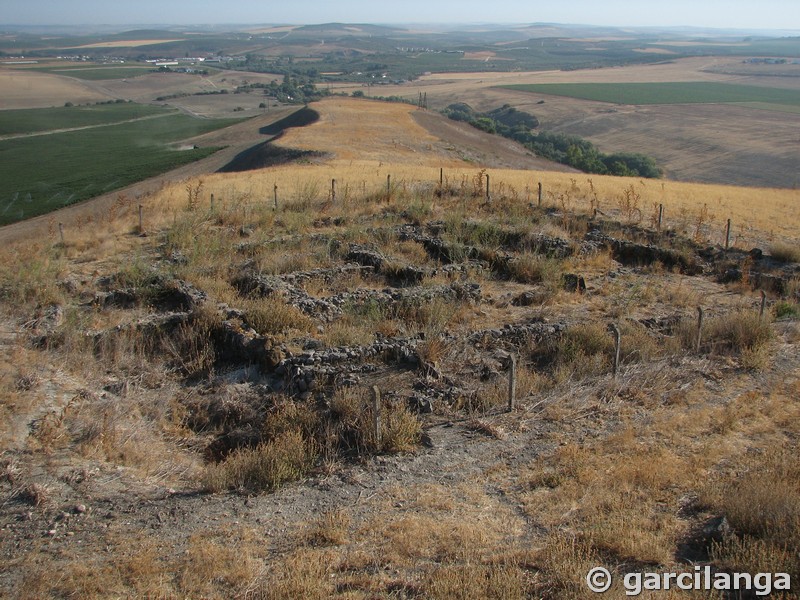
[(388, 187), (333, 190), (617, 347), (660, 215), (699, 328), (488, 198), (61, 232), (540, 194), (275, 198), (512, 383), (376, 416), (441, 177), (728, 235), (212, 203), (763, 304)]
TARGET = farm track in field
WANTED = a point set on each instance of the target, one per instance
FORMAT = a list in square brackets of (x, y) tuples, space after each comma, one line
[(70, 129)]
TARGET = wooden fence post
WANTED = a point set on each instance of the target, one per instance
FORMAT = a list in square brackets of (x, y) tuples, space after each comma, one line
[(660, 215), (333, 190), (388, 187), (488, 197), (212, 203), (617, 347), (441, 177), (275, 198), (763, 304), (540, 194), (376, 416), (728, 235), (699, 329), (512, 383)]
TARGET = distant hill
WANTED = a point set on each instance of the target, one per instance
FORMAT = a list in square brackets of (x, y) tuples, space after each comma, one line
[(349, 29)]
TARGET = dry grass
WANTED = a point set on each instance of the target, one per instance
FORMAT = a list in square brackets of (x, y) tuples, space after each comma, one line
[(414, 161), (126, 43), (30, 89), (454, 582), (761, 500), (353, 410), (535, 268), (29, 278), (785, 252), (331, 529), (742, 332), (286, 458), (548, 488), (191, 348), (274, 316)]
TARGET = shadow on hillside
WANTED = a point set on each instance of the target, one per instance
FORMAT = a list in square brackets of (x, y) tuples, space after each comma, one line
[(299, 118), (266, 154)]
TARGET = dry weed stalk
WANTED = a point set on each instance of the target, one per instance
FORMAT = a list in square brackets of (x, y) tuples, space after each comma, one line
[(193, 190)]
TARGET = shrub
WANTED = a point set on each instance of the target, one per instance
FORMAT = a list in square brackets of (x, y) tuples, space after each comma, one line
[(787, 309), (273, 316), (31, 279), (354, 424), (785, 252), (330, 529), (737, 332), (588, 339), (191, 347), (477, 581), (264, 468), (762, 503), (430, 316), (535, 268)]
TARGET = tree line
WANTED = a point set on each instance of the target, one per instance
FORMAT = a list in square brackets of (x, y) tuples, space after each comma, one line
[(570, 150)]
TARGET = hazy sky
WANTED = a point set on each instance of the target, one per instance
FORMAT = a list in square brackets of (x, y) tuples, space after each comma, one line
[(763, 14)]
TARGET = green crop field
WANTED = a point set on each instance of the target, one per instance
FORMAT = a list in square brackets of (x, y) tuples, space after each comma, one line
[(665, 93), (40, 174), (47, 119)]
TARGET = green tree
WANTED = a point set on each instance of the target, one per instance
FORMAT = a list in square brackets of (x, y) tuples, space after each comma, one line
[(484, 124)]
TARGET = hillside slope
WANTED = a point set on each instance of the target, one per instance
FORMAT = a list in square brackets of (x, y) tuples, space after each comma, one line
[(301, 388)]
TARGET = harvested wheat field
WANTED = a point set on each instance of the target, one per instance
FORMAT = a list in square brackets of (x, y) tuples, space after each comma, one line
[(127, 43), (27, 89), (400, 386), (734, 144)]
